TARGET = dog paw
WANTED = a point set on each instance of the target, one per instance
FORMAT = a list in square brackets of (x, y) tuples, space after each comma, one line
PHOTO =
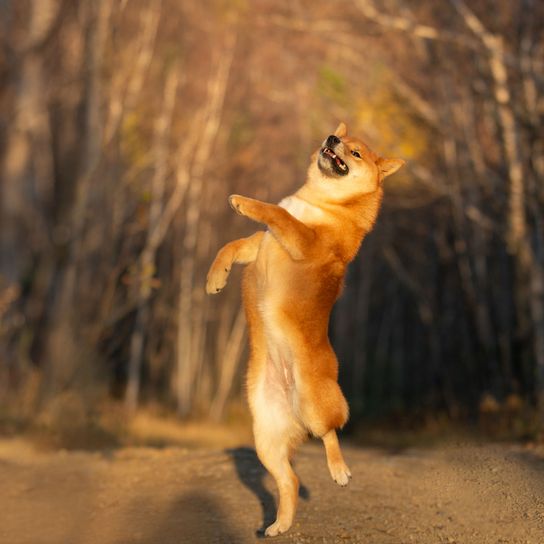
[(340, 473), (217, 279), (243, 205), (236, 203), (277, 528)]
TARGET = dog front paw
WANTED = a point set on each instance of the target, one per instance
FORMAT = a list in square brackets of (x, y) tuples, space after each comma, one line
[(217, 278), (237, 203), (248, 207)]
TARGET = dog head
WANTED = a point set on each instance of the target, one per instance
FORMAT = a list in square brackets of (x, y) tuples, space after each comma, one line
[(345, 167)]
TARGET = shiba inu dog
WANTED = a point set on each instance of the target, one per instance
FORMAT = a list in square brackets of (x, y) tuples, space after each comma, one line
[(294, 274)]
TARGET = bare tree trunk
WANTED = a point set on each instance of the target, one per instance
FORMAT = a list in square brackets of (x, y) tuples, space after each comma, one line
[(61, 348), (203, 378), (186, 368), (28, 148), (464, 239), (529, 270), (92, 143), (124, 99), (362, 308), (147, 259), (231, 358)]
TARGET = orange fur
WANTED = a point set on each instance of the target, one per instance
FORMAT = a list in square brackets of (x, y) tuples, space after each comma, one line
[(294, 275)]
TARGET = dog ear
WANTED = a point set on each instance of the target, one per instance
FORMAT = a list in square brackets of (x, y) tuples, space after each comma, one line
[(341, 130), (389, 166)]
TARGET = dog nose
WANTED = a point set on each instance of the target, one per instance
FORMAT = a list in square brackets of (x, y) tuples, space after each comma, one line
[(332, 140)]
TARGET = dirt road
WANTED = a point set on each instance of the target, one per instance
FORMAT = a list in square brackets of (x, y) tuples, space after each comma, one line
[(463, 495)]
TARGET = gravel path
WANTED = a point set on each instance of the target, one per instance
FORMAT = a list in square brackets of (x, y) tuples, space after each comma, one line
[(465, 494)]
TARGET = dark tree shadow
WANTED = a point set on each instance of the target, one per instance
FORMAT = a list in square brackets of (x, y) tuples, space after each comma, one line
[(194, 518), (251, 473)]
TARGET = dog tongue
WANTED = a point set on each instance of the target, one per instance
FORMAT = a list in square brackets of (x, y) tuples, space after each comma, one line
[(340, 164)]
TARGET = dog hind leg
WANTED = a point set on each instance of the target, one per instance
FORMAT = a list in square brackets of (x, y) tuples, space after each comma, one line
[(325, 409), (335, 461), (277, 433), (274, 452)]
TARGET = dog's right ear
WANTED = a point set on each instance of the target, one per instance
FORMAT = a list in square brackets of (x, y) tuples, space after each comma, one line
[(341, 130)]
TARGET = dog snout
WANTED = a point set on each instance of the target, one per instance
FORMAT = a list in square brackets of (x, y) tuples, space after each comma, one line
[(332, 140)]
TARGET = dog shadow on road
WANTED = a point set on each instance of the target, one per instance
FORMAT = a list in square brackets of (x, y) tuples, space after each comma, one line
[(251, 473)]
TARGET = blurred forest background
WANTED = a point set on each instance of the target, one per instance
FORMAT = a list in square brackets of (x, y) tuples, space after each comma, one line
[(124, 126)]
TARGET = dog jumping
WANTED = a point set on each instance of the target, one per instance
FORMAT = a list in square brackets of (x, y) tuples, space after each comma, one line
[(294, 274)]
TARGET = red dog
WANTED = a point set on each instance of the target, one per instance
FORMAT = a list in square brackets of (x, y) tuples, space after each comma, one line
[(294, 274)]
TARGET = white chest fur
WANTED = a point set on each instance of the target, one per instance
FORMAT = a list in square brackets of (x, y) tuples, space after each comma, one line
[(303, 210)]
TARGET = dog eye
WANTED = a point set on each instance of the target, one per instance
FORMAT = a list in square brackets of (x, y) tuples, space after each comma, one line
[(356, 154)]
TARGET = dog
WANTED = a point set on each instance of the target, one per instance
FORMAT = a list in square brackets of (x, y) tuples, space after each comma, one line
[(294, 273)]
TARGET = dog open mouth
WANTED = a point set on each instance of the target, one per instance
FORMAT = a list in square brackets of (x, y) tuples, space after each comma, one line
[(339, 166)]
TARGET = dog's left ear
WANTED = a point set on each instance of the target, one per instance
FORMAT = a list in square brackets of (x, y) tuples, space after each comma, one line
[(341, 130), (389, 166)]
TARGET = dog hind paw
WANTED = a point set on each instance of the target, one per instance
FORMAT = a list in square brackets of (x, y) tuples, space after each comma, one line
[(340, 473), (277, 528)]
